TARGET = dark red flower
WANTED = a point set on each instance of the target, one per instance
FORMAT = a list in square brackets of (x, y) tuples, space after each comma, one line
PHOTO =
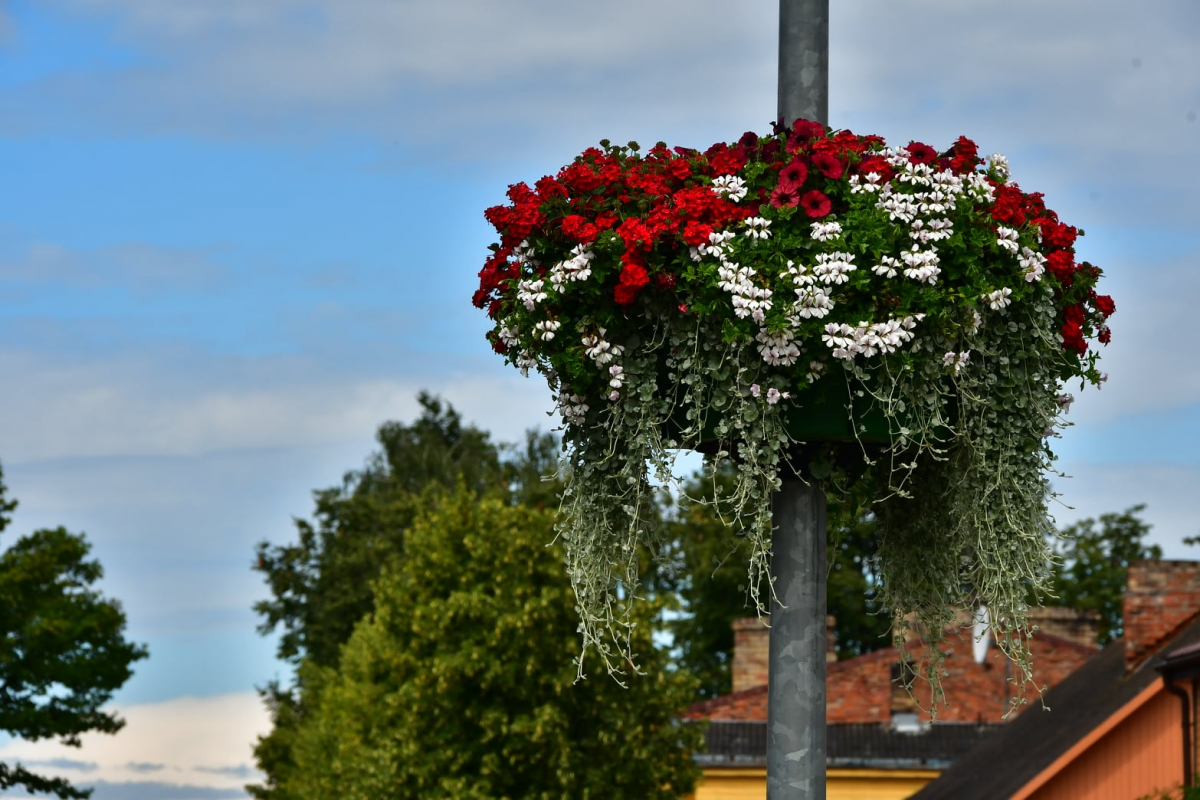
[(815, 203), (1009, 206), (781, 197), (875, 164), (1061, 264), (919, 153), (548, 187), (793, 175), (1105, 335), (1055, 234), (606, 220), (830, 167), (749, 139), (624, 295), (665, 280), (806, 129), (1105, 305)]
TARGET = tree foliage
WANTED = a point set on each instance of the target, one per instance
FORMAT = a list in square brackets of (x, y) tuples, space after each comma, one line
[(706, 567), (62, 647), (460, 685), (1095, 563)]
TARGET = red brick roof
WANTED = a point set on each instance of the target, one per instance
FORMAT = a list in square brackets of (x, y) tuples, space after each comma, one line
[(860, 689)]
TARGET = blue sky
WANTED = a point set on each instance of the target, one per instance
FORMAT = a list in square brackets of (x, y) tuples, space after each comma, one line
[(237, 237)]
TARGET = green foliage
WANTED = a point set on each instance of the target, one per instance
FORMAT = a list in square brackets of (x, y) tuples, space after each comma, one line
[(62, 649), (321, 584), (705, 566), (460, 683), (1095, 562)]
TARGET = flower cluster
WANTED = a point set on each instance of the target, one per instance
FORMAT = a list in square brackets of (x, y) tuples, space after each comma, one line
[(679, 296)]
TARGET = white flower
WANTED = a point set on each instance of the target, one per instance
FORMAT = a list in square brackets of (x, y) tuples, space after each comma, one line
[(815, 368), (730, 187), (824, 231), (1007, 238), (998, 299), (545, 330), (614, 395), (756, 228), (1065, 401), (886, 267), (572, 407), (1000, 164), (1034, 264), (1102, 379), (834, 267), (922, 264), (774, 396), (755, 389), (778, 349), (530, 293), (618, 377), (956, 360)]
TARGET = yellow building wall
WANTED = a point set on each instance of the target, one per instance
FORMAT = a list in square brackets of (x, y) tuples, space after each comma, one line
[(840, 784)]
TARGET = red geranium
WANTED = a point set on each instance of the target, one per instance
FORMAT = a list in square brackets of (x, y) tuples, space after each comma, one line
[(1105, 305)]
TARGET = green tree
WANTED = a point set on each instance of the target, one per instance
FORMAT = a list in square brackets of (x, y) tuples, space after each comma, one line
[(706, 566), (62, 648), (321, 584), (1095, 562), (460, 684)]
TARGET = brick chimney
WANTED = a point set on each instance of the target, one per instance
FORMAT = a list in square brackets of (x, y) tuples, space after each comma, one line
[(752, 647), (1081, 627), (1159, 597)]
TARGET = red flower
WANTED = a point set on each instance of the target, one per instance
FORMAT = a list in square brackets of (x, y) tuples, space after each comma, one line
[(781, 197), (803, 130), (815, 203), (579, 229), (1073, 340), (1105, 305), (665, 280), (634, 275), (1061, 264), (680, 169), (548, 187), (606, 220), (1055, 234), (624, 295), (919, 153), (727, 161), (875, 164), (793, 175), (1105, 335), (696, 233), (830, 167), (1009, 207)]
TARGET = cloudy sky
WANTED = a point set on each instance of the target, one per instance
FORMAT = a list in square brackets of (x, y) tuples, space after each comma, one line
[(236, 236)]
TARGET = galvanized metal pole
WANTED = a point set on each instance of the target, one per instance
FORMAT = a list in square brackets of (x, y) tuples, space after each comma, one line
[(796, 664)]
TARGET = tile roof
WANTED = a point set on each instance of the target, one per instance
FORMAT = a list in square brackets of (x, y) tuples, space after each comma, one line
[(1036, 738)]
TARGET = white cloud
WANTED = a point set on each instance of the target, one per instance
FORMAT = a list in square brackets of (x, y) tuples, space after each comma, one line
[(154, 405), (200, 743), (141, 268)]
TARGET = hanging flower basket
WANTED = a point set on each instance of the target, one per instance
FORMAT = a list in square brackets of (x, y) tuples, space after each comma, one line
[(804, 286)]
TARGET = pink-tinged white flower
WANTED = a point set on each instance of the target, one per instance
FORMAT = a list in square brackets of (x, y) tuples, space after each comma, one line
[(1007, 238), (755, 389), (1064, 402), (774, 396), (957, 361), (778, 349), (573, 407), (530, 293), (815, 370), (998, 299), (617, 379), (1034, 264)]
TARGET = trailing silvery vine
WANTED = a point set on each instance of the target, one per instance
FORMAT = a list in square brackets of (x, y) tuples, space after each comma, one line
[(719, 299)]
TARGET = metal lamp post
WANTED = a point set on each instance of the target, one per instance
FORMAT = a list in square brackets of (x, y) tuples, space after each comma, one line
[(796, 683)]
